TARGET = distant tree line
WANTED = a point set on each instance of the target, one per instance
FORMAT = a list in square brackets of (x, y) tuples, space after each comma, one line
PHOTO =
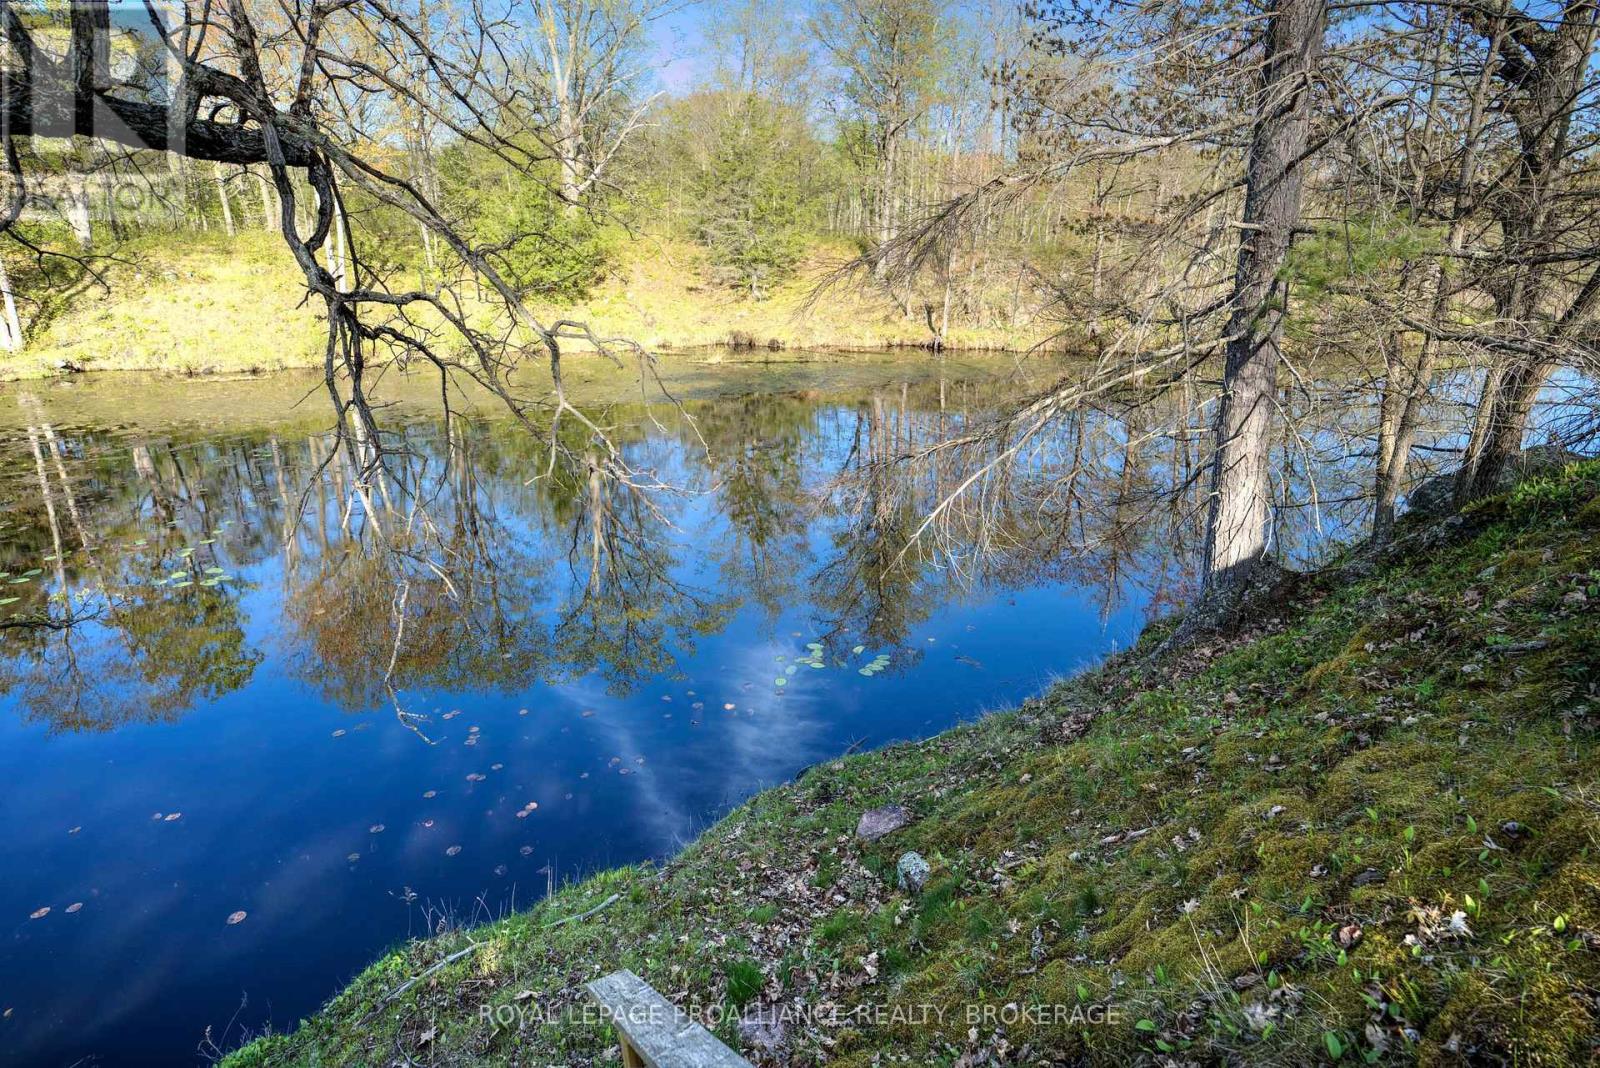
[(1190, 191)]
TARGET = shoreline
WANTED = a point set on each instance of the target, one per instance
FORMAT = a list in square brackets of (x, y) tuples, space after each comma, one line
[(1250, 827)]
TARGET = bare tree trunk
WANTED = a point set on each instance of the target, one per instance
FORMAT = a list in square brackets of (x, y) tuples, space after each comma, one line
[(269, 203), (1240, 505), (1545, 96), (1392, 466), (11, 327), (78, 206), (222, 195)]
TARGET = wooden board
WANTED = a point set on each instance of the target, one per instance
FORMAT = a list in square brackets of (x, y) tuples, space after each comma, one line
[(660, 1032)]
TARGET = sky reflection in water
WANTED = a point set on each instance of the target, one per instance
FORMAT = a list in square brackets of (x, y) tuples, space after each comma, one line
[(196, 750)]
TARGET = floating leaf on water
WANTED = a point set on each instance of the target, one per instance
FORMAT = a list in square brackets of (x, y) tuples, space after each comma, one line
[(624, 771), (215, 571), (32, 571), (729, 707), (452, 714), (181, 585), (817, 664), (353, 857), (171, 816), (76, 906), (496, 767), (75, 830), (476, 776), (39, 914), (339, 733), (500, 869), (430, 793), (427, 823), (780, 681), (236, 917), (156, 816), (376, 828), (526, 851), (858, 650), (452, 851), (9, 600), (522, 711), (583, 775), (586, 713)]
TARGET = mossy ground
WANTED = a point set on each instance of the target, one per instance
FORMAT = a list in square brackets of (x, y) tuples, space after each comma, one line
[(1366, 831), (206, 304)]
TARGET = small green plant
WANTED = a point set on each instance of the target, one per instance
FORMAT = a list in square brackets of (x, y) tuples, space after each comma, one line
[(744, 982)]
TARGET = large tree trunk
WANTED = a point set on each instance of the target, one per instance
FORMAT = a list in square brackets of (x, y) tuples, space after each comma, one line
[(1241, 501), (1545, 83)]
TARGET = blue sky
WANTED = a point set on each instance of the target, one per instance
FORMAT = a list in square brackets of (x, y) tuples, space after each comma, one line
[(677, 44)]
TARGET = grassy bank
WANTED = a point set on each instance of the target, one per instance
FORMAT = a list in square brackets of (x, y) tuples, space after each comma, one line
[(207, 304), (1369, 830)]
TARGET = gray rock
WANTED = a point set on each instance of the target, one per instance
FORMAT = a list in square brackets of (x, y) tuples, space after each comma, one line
[(1435, 496), (877, 822), (763, 1029), (911, 873)]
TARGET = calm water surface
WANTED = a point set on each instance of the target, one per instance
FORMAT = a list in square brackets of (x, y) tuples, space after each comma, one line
[(337, 714), (585, 675)]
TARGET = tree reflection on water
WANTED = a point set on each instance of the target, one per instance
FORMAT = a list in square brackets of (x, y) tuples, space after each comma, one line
[(482, 556)]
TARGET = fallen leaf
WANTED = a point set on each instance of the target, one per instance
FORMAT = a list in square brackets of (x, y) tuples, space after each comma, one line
[(236, 917)]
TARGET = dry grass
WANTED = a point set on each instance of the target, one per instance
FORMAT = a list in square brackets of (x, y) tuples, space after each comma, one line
[(207, 305)]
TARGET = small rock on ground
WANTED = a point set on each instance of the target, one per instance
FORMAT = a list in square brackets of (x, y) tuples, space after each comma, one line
[(911, 874), (877, 822)]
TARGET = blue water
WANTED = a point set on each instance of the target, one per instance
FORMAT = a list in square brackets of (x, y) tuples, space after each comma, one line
[(255, 708)]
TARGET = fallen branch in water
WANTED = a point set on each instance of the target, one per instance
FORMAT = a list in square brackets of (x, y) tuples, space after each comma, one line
[(474, 947)]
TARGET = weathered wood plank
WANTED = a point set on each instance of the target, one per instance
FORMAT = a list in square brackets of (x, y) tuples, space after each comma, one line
[(661, 1033)]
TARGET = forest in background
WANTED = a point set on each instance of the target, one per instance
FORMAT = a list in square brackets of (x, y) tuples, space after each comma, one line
[(1182, 190), (809, 135)]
